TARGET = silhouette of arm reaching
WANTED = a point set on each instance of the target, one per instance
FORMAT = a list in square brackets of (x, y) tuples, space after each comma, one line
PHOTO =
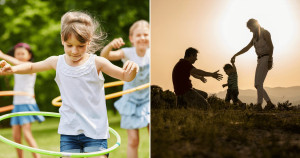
[(244, 50), (200, 78), (197, 72)]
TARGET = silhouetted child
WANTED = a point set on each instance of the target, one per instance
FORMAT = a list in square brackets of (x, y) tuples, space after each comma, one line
[(232, 83)]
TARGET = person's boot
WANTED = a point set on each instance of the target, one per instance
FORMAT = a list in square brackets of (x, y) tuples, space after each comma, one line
[(269, 106), (243, 106), (257, 107)]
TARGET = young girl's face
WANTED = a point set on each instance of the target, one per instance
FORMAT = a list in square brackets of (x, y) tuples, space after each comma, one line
[(74, 49), (22, 54), (140, 38)]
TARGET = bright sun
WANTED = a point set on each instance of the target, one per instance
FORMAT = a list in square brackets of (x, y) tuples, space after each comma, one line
[(274, 15)]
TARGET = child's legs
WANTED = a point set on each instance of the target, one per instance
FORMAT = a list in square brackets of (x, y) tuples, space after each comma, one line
[(29, 138), (133, 143), (260, 76), (234, 96), (17, 136), (228, 96)]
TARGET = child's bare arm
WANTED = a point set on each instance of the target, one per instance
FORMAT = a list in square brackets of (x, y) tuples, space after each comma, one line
[(28, 68), (127, 73), (10, 59), (233, 65), (113, 55)]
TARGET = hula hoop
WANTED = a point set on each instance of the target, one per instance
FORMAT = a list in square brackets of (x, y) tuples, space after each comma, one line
[(55, 101), (117, 94), (53, 153), (12, 93), (112, 84), (6, 108)]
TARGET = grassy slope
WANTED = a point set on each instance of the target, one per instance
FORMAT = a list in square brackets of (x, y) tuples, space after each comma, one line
[(48, 139), (224, 133)]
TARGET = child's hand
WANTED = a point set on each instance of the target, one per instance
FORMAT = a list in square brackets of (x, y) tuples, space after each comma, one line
[(232, 59), (224, 85), (130, 67), (203, 79), (5, 68), (117, 43)]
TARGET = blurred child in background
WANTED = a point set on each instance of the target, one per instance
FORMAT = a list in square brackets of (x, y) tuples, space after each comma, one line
[(22, 53), (134, 108)]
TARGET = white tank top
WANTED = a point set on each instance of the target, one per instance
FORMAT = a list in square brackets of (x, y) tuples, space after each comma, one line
[(83, 107), (261, 46), (24, 83)]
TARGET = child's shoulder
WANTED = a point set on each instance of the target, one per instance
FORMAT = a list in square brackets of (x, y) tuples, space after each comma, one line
[(128, 49)]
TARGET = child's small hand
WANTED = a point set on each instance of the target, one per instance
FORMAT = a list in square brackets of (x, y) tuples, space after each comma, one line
[(232, 59), (117, 43), (130, 66), (5, 67)]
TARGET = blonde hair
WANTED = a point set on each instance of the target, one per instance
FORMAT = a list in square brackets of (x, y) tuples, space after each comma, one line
[(83, 27), (139, 23)]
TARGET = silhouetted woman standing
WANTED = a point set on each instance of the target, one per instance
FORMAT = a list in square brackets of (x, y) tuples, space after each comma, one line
[(263, 45)]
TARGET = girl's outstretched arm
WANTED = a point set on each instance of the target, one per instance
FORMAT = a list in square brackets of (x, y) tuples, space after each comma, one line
[(113, 55), (127, 73), (244, 50), (10, 59), (28, 68)]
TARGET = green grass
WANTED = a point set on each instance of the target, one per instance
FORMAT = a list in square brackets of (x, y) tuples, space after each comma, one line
[(47, 138)]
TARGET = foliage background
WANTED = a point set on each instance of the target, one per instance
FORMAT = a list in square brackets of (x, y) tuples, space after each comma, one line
[(37, 22)]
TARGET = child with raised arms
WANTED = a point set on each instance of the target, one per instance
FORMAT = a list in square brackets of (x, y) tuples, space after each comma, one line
[(19, 54), (134, 108), (83, 124), (232, 84)]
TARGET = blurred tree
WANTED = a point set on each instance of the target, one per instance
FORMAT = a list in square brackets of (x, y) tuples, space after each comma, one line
[(37, 22)]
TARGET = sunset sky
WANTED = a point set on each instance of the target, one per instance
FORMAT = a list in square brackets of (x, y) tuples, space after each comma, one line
[(217, 28)]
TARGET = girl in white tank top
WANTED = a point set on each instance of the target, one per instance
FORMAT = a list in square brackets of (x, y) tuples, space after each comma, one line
[(80, 81), (20, 54)]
